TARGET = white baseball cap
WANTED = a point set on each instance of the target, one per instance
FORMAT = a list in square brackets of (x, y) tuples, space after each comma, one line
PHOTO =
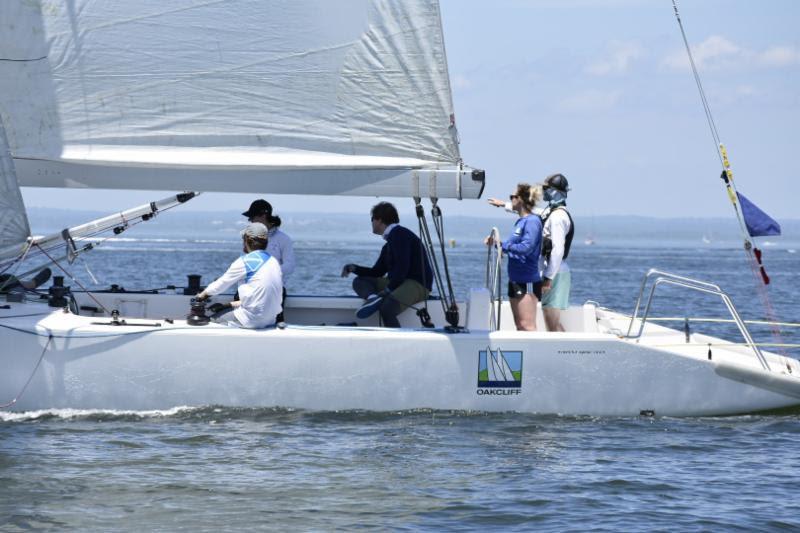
[(255, 230)]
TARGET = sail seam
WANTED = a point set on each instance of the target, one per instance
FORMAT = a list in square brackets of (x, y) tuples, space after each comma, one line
[(22, 60)]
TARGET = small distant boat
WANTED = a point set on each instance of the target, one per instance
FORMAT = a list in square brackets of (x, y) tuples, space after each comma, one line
[(589, 241), (706, 240)]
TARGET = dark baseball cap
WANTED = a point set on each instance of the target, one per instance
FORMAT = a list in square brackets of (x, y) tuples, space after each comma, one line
[(259, 207), (557, 181)]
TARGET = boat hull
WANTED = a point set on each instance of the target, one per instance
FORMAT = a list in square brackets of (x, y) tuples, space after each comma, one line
[(72, 363)]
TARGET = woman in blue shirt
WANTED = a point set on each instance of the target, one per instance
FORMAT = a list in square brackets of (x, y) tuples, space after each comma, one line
[(523, 248)]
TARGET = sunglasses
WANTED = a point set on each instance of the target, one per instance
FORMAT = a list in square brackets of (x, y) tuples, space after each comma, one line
[(512, 196)]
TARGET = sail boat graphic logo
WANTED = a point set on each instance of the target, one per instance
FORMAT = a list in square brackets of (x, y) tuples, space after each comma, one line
[(498, 368)]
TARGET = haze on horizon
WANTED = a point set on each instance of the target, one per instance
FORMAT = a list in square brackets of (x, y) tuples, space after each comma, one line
[(602, 92)]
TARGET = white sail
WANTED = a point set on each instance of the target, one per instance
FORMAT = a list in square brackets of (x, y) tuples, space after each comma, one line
[(14, 230), (232, 95)]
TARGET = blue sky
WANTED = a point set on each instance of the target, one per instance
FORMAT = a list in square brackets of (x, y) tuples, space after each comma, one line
[(601, 91)]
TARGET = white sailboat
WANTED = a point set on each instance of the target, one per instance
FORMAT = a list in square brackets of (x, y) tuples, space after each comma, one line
[(280, 98)]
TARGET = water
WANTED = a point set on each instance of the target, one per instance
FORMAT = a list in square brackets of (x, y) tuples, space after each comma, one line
[(220, 468)]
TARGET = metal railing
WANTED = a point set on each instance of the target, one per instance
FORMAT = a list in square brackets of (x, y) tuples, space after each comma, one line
[(696, 285), (494, 268)]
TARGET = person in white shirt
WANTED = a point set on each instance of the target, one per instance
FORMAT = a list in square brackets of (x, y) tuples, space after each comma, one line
[(280, 244), (557, 233), (258, 277)]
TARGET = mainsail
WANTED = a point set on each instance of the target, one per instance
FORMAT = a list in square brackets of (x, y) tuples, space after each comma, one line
[(232, 95), (14, 230)]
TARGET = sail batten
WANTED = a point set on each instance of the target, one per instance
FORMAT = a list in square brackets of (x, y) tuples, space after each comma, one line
[(226, 85)]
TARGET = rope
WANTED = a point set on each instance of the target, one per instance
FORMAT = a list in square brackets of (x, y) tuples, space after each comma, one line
[(425, 237), (424, 315), (24, 387), (438, 221)]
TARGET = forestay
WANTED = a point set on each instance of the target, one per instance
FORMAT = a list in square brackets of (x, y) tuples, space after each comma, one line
[(233, 95)]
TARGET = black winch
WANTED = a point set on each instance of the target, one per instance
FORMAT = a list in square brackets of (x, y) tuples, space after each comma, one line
[(197, 313)]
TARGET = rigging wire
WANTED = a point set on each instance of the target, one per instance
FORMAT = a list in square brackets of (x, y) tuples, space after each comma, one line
[(447, 299), (753, 254), (33, 250), (37, 250), (75, 280), (425, 237), (718, 147), (720, 320), (451, 314), (726, 345)]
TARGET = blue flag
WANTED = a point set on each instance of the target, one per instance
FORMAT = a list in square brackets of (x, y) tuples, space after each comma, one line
[(759, 224)]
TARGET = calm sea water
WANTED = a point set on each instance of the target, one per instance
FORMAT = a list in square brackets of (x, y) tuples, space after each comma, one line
[(219, 468)]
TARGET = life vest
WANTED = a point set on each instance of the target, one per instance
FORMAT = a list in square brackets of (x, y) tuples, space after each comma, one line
[(547, 243), (253, 262)]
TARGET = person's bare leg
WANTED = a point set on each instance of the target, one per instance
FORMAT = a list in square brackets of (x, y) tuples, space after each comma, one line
[(524, 311), (552, 319)]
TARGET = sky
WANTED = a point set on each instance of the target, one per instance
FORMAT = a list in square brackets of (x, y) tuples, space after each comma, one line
[(602, 92)]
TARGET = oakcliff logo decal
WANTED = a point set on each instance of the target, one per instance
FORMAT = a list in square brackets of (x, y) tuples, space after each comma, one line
[(499, 372)]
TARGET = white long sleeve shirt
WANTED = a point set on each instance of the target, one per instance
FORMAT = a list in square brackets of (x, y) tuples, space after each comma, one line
[(260, 296), (281, 248), (556, 228), (536, 209)]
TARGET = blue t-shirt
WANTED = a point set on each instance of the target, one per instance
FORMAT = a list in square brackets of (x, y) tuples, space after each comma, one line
[(523, 249)]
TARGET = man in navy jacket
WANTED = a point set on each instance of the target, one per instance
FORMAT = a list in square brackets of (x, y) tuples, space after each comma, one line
[(400, 277)]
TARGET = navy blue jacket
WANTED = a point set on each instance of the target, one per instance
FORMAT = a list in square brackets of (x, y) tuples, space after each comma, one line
[(523, 248), (401, 258)]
